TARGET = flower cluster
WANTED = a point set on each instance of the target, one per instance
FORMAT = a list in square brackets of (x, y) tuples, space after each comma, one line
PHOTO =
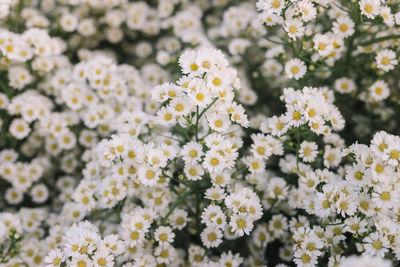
[(310, 107), (363, 203), (199, 133)]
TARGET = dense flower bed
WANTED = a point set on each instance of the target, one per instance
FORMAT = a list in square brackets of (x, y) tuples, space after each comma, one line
[(199, 133)]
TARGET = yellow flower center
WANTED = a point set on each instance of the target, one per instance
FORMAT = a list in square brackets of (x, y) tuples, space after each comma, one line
[(241, 223), (217, 81), (368, 9), (194, 67), (385, 61), (295, 69), (150, 174), (385, 196), (343, 27)]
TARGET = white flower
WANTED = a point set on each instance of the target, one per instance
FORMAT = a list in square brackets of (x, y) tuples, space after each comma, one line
[(308, 151), (343, 26), (387, 16), (19, 77), (14, 196), (370, 8), (332, 157), (149, 175), (307, 10), (194, 171), (240, 224), (166, 116), (270, 18), (187, 61), (164, 235), (102, 257), (214, 217), (277, 188), (385, 197), (386, 59), (323, 44), (80, 260), (39, 193), (255, 165), (19, 128), (295, 69), (345, 85), (69, 22), (345, 205), (305, 259), (191, 152), (165, 254), (55, 258), (378, 91), (211, 237), (364, 261), (274, 6), (294, 28), (229, 259), (376, 244), (215, 193), (178, 219), (213, 161), (355, 225), (181, 106)]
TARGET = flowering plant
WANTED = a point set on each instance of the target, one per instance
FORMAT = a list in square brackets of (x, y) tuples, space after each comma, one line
[(199, 133)]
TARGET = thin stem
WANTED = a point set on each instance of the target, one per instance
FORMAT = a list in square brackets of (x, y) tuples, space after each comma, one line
[(6, 89), (332, 224), (297, 149), (13, 249), (176, 204), (175, 139), (198, 116), (210, 132), (381, 39), (197, 123), (276, 42), (207, 108)]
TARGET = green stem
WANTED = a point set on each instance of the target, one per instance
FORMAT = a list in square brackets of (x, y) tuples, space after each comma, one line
[(198, 116), (207, 108), (15, 238), (332, 224), (6, 89), (276, 42), (176, 204), (297, 149), (197, 124), (381, 39)]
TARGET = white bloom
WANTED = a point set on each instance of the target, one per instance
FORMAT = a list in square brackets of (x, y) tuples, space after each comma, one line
[(343, 26), (364, 261), (211, 237), (386, 60), (295, 69), (308, 151), (19, 128), (240, 224), (370, 8), (294, 28)]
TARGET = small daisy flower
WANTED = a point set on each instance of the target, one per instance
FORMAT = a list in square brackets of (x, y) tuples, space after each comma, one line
[(241, 224), (211, 237), (295, 69), (294, 28), (308, 151), (370, 8), (386, 60), (343, 26), (164, 234)]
